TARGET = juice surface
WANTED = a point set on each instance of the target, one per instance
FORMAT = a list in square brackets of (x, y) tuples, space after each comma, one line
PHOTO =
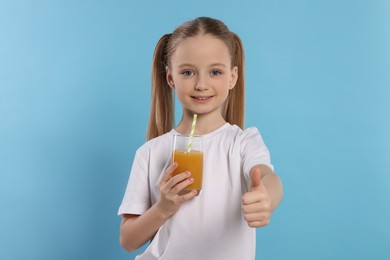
[(193, 162)]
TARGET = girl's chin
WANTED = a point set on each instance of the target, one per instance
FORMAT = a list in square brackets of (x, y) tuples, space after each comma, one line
[(204, 112)]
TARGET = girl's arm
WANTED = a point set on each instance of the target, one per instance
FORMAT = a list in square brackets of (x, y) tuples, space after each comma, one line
[(136, 230)]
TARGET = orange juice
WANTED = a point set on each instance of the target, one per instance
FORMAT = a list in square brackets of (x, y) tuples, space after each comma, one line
[(190, 161)]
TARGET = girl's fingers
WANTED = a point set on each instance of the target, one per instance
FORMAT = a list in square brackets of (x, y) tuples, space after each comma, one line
[(252, 217), (175, 180), (188, 195), (168, 173), (257, 207), (257, 224), (170, 187), (182, 184), (252, 197), (252, 208)]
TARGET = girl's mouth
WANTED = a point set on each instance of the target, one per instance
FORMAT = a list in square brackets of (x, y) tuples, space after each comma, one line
[(201, 98)]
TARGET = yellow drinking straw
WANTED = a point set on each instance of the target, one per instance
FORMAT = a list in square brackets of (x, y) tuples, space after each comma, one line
[(189, 144)]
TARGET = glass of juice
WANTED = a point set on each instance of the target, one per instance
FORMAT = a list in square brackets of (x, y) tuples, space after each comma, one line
[(189, 157)]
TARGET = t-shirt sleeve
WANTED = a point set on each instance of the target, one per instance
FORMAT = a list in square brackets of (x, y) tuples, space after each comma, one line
[(253, 151), (137, 195)]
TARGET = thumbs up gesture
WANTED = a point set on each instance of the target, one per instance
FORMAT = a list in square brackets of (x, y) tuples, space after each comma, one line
[(256, 204)]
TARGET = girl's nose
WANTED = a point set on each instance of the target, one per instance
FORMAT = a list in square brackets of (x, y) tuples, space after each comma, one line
[(201, 84)]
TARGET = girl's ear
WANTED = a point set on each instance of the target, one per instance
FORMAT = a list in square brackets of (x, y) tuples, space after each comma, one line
[(234, 77), (169, 77)]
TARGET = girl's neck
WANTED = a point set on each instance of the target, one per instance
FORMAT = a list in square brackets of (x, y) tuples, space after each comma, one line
[(204, 125)]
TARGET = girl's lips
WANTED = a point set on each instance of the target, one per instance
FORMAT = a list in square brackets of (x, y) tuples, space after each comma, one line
[(201, 98)]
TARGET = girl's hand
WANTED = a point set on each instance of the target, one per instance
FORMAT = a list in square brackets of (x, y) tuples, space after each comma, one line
[(170, 200), (256, 204)]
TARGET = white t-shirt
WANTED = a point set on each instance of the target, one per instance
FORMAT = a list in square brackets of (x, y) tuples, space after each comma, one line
[(211, 225)]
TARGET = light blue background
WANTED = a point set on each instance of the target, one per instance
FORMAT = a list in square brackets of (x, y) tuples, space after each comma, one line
[(74, 105)]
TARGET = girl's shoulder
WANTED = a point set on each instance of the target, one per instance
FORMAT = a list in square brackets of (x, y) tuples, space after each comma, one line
[(160, 142), (233, 134), (236, 131)]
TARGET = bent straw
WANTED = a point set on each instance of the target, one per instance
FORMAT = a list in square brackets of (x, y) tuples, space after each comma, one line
[(189, 144)]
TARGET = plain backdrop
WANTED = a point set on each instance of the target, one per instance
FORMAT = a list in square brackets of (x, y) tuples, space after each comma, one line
[(74, 105)]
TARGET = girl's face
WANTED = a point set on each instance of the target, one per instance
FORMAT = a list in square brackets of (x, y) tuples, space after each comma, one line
[(201, 75)]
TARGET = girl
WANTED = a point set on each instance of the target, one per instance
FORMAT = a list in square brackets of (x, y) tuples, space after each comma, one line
[(202, 62)]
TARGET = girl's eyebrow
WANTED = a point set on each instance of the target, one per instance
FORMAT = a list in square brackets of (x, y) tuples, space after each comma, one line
[(185, 65), (217, 64)]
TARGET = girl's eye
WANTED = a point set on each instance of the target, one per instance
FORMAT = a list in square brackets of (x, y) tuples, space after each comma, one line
[(187, 73), (215, 72)]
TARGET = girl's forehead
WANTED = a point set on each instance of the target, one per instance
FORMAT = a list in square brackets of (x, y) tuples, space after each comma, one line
[(202, 39), (201, 47)]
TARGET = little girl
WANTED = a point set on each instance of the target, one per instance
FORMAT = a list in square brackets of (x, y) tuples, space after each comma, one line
[(202, 62)]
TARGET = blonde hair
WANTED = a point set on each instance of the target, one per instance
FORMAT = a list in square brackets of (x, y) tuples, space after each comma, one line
[(162, 111)]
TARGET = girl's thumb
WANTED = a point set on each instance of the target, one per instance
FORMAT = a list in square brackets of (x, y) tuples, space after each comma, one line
[(255, 178)]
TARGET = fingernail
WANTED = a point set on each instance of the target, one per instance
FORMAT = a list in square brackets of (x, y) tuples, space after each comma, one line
[(191, 179), (188, 173)]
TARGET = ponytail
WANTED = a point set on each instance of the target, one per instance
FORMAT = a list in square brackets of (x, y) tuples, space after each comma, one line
[(161, 118), (234, 108)]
